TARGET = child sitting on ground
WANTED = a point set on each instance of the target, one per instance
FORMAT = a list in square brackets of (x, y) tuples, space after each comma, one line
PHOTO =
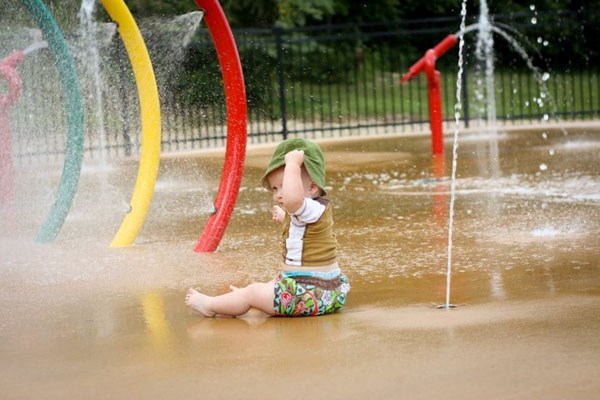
[(310, 281)]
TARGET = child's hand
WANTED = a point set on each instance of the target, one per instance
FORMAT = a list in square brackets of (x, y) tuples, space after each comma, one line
[(278, 214), (295, 157)]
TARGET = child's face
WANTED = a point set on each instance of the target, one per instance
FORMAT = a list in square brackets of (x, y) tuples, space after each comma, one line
[(275, 180)]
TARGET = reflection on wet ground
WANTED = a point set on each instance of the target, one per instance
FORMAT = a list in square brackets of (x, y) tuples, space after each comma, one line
[(81, 320)]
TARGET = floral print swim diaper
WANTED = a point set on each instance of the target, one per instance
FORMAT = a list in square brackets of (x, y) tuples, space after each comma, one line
[(299, 297)]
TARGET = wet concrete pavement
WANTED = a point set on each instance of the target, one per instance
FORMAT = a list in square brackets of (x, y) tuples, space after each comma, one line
[(81, 320)]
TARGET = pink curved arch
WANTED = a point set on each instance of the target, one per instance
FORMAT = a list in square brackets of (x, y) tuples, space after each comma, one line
[(235, 102)]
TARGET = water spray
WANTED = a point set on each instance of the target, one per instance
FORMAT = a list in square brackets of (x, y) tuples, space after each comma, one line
[(8, 72), (74, 109)]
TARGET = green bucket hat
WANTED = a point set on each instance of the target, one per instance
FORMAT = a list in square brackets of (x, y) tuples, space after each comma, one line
[(313, 160)]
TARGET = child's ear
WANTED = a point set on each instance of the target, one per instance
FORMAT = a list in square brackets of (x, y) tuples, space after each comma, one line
[(314, 189)]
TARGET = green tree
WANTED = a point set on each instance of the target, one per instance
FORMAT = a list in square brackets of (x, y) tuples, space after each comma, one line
[(283, 13), (146, 8)]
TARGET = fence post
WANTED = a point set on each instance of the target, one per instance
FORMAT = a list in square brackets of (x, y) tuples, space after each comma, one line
[(465, 98), (281, 79), (123, 94)]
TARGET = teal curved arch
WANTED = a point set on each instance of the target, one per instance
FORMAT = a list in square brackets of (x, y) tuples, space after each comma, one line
[(74, 109)]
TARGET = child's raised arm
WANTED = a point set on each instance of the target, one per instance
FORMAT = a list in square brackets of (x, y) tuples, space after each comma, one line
[(292, 189)]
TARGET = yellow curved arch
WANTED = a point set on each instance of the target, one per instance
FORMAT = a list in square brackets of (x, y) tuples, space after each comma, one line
[(150, 116)]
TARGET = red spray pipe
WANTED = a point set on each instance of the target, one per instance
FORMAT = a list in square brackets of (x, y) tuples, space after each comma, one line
[(427, 64), (439, 50), (8, 71), (235, 102)]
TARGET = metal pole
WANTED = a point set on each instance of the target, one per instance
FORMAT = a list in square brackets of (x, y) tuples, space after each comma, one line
[(281, 79), (465, 98)]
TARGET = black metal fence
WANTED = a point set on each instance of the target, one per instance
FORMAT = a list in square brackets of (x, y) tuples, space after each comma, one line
[(324, 81)]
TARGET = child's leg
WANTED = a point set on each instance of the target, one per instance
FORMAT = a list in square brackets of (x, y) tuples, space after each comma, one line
[(234, 303)]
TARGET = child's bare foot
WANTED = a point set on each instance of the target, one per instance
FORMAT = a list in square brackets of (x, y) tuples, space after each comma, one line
[(198, 302)]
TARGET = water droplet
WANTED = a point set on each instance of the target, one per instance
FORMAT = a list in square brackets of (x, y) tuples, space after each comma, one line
[(545, 135), (532, 7), (526, 104), (551, 152), (545, 76), (539, 39), (543, 167), (533, 20), (546, 117), (545, 43)]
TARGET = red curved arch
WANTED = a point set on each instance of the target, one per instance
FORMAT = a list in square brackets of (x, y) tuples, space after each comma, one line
[(235, 102)]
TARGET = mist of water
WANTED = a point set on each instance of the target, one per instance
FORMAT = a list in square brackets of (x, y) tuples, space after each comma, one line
[(168, 40), (485, 95), (486, 105), (89, 56), (39, 122)]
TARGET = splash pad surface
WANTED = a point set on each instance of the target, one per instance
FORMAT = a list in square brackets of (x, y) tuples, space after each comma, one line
[(82, 320)]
